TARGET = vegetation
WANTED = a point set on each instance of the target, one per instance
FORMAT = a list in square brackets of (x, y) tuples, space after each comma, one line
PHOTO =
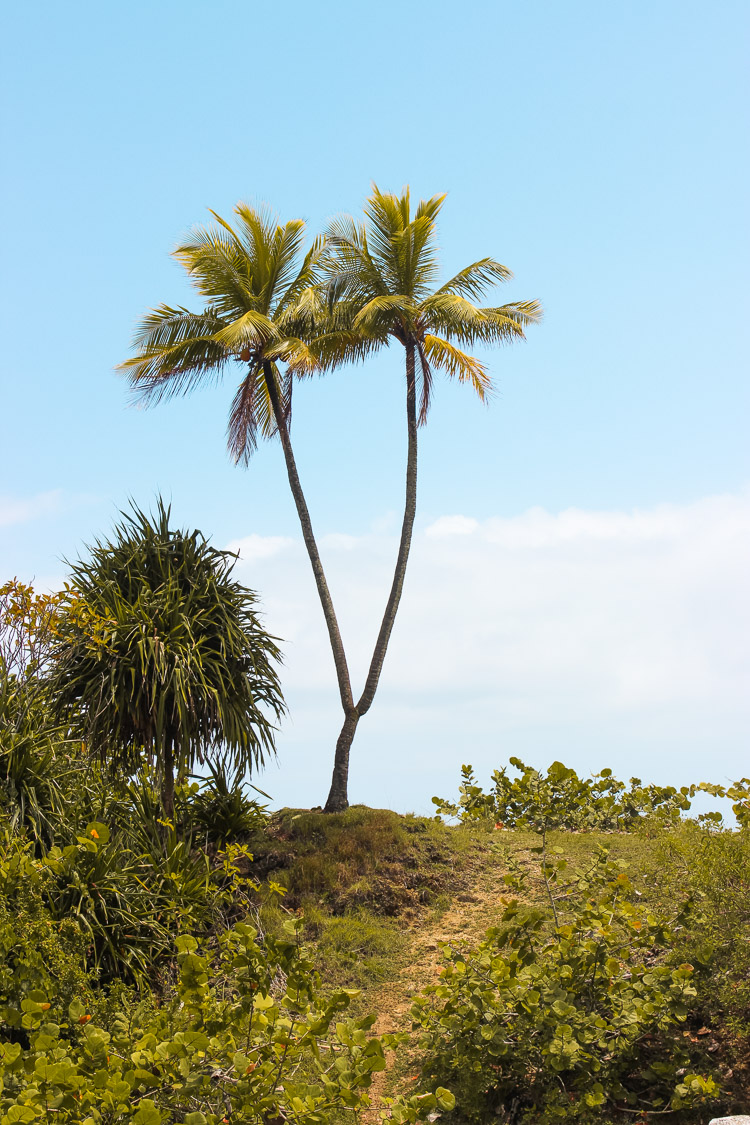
[(175, 665), (599, 993), (171, 952), (281, 315)]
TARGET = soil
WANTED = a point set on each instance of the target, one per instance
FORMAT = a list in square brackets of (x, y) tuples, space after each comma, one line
[(464, 923)]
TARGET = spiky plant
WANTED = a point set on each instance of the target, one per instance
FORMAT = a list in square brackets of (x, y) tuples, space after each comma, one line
[(381, 286), (161, 653)]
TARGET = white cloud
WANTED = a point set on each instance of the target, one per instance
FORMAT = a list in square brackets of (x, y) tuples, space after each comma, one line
[(451, 525), (602, 638), (252, 548), (14, 510)]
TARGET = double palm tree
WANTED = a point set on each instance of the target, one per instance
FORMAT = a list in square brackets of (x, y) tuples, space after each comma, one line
[(281, 315)]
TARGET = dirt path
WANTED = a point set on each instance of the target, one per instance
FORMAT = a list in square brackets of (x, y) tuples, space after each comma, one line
[(465, 921)]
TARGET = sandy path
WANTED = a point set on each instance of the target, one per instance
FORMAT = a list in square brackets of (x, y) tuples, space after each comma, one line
[(465, 922)]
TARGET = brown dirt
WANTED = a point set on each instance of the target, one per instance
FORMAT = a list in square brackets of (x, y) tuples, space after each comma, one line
[(470, 914)]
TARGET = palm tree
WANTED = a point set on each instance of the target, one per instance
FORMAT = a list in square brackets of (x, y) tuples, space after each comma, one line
[(350, 294), (160, 651), (263, 308), (381, 276)]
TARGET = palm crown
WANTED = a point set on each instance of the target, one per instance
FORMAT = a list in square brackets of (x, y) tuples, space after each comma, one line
[(258, 313), (381, 278)]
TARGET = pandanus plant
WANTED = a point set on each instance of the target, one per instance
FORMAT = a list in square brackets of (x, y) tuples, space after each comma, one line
[(160, 651), (280, 315)]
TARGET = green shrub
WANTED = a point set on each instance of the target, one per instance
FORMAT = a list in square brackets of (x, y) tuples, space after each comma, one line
[(220, 808), (562, 799), (714, 869), (246, 1038), (36, 951), (567, 1012)]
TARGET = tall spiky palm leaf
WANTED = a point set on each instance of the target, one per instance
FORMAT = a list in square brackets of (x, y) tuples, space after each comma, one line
[(381, 285), (160, 651)]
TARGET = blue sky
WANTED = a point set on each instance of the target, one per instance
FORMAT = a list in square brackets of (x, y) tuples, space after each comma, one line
[(596, 149)]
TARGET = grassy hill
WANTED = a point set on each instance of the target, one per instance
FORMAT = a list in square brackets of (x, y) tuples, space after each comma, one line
[(383, 896)]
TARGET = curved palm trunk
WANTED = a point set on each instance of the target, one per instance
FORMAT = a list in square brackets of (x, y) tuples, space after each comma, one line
[(334, 633), (337, 797)]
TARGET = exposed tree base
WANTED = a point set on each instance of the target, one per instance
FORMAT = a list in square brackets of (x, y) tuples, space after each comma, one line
[(338, 800)]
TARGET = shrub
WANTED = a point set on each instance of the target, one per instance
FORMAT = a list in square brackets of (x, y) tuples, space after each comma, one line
[(566, 1012), (220, 807), (159, 649), (245, 1038), (562, 799)]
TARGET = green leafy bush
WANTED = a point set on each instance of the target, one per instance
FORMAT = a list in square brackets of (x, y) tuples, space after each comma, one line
[(36, 951), (566, 1012), (245, 1038), (220, 808), (713, 868), (562, 799)]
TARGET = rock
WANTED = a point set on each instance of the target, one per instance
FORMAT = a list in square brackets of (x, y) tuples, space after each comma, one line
[(738, 1119)]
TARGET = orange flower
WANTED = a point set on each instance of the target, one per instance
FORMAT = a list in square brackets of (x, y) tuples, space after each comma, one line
[(84, 1019), (45, 1007), (94, 833)]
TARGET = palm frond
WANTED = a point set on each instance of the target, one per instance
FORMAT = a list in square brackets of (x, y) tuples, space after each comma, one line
[(523, 313), (286, 248), (333, 349), (242, 428), (218, 269), (176, 351), (350, 263), (306, 278), (300, 358), (383, 312), (251, 330), (474, 280), (458, 365), (452, 315), (425, 394)]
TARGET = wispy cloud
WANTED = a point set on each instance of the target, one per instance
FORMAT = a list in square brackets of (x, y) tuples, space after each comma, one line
[(14, 510)]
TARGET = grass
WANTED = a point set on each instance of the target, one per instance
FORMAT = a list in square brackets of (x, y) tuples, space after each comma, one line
[(393, 865), (370, 884), (361, 880)]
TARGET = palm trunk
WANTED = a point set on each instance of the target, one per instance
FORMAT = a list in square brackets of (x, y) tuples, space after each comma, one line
[(167, 784), (337, 798), (334, 633)]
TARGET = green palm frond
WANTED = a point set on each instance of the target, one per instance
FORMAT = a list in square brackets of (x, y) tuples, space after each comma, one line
[(251, 330), (343, 345), (522, 313), (305, 280), (458, 365), (218, 271), (474, 280), (176, 352), (383, 313), (453, 315), (300, 358)]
